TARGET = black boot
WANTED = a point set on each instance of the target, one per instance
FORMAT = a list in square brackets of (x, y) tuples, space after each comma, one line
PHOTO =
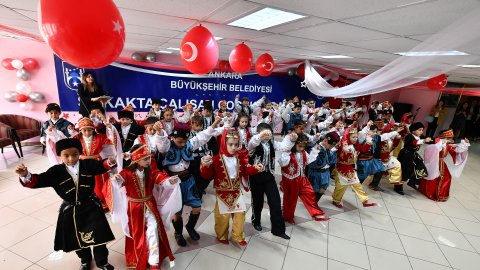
[(178, 226), (318, 196), (399, 189), (107, 267), (192, 221), (412, 184), (85, 266)]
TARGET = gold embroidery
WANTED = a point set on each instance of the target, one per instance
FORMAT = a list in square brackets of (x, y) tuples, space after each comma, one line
[(65, 181), (85, 186), (86, 175), (87, 237), (68, 191)]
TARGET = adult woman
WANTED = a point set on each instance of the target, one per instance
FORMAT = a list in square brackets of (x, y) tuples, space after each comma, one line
[(88, 91), (437, 112), (459, 122)]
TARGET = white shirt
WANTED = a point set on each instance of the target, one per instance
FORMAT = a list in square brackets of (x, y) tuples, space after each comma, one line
[(141, 176), (73, 171), (88, 143), (231, 166), (125, 130)]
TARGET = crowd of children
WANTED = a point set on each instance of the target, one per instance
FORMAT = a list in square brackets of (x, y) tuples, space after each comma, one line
[(145, 171)]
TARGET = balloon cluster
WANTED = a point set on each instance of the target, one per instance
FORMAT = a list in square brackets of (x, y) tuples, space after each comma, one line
[(149, 57), (199, 54), (437, 83), (23, 93)]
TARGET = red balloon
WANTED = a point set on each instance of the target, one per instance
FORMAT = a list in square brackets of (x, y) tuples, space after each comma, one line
[(199, 50), (264, 65), (241, 58), (22, 98), (301, 71), (30, 63), (7, 63), (90, 34), (437, 83), (224, 66)]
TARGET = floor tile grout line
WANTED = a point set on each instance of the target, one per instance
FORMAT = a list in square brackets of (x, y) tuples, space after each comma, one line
[(395, 227), (24, 240), (436, 241)]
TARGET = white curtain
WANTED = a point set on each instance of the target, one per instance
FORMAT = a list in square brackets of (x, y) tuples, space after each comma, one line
[(462, 35)]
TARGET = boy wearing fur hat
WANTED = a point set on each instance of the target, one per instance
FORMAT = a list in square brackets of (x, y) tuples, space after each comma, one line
[(81, 222), (53, 111)]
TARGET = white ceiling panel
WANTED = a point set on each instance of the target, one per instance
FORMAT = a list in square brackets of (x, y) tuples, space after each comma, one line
[(232, 32), (376, 55), (192, 9), (335, 9), (21, 4), (28, 14), (420, 19), (15, 23), (338, 32), (287, 41), (392, 45), (6, 13), (139, 47), (149, 19), (299, 24), (333, 48), (136, 29), (235, 9)]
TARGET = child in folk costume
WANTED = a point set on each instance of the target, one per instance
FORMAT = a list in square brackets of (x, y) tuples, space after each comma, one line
[(244, 106), (413, 168), (178, 153), (319, 170), (346, 175), (156, 110), (211, 147), (127, 128), (394, 167), (95, 146), (151, 138), (436, 186), (295, 183), (54, 122), (227, 169), (292, 113), (146, 240), (245, 133), (81, 222), (406, 121), (262, 149), (170, 118)]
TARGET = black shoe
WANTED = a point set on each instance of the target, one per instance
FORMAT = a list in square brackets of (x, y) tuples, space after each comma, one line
[(258, 227), (180, 240), (412, 185), (399, 189), (107, 267), (192, 221), (85, 266), (283, 235)]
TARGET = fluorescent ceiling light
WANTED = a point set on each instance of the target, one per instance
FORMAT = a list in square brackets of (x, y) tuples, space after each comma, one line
[(352, 69), (338, 56), (162, 51), (266, 18), (432, 53), (218, 38), (173, 49), (469, 66), (423, 78)]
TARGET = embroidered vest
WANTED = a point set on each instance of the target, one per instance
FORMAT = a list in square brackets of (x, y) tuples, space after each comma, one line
[(293, 117), (293, 170), (174, 154)]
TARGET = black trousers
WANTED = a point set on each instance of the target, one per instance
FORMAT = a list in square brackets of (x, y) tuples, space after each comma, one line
[(100, 254), (264, 184)]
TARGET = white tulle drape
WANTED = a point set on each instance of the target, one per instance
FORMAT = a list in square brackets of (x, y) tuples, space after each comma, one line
[(463, 35)]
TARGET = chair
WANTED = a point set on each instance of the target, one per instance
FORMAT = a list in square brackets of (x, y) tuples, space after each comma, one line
[(5, 138), (23, 128)]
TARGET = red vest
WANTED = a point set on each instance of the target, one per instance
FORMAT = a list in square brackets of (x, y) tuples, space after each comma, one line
[(291, 171)]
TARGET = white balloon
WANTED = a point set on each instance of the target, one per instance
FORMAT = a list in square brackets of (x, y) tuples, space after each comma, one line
[(23, 87), (26, 106), (17, 64)]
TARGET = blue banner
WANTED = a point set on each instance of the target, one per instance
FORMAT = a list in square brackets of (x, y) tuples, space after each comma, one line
[(137, 86)]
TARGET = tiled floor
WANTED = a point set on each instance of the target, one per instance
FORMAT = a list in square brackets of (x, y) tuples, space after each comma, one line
[(409, 232)]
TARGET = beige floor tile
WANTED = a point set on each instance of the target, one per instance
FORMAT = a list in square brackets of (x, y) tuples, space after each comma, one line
[(19, 230), (298, 259), (37, 246), (11, 261)]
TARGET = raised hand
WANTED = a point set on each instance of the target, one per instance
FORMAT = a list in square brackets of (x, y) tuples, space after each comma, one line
[(265, 134), (293, 136), (51, 127), (158, 126), (259, 167), (428, 140), (216, 122), (174, 179), (21, 170), (207, 159)]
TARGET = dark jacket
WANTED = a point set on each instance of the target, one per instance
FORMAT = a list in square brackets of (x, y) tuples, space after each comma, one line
[(85, 99)]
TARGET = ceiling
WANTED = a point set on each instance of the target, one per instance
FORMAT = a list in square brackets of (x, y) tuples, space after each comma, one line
[(370, 31)]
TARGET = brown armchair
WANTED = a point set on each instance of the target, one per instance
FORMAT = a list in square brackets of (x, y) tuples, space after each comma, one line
[(23, 128), (6, 138)]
